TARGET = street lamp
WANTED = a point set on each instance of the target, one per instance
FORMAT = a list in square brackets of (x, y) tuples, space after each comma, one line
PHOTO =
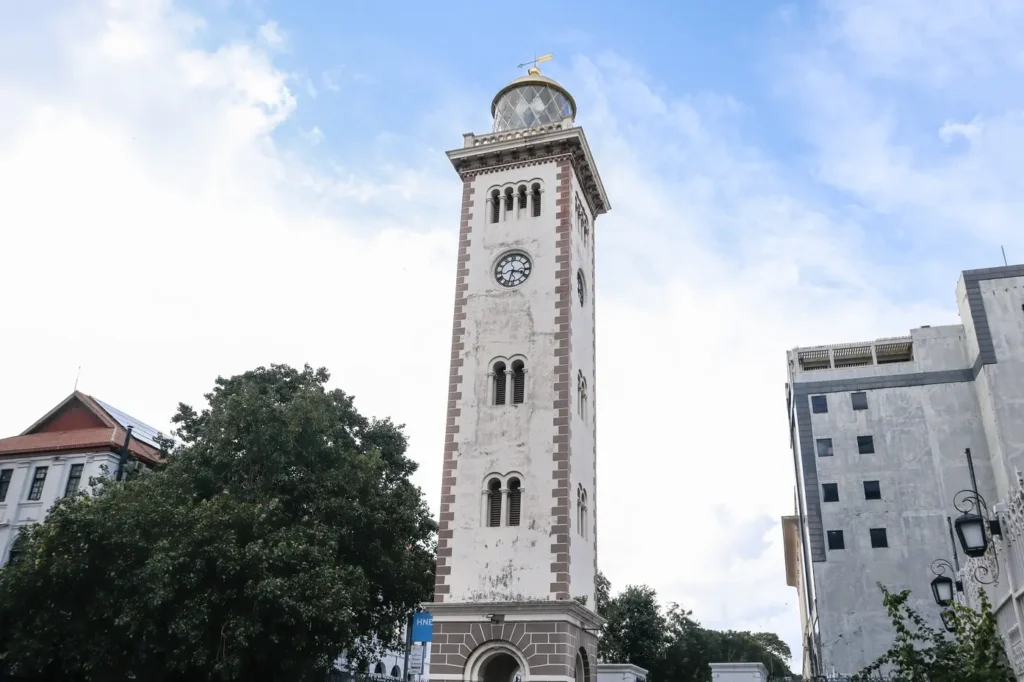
[(973, 526), (948, 620), (942, 584)]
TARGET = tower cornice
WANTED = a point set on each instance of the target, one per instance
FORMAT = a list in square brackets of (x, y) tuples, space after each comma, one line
[(528, 146)]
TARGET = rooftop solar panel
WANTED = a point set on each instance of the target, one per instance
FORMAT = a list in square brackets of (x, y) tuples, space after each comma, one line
[(144, 432)]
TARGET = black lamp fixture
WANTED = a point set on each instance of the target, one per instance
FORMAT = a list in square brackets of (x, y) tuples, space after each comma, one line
[(948, 620), (943, 585), (973, 526)]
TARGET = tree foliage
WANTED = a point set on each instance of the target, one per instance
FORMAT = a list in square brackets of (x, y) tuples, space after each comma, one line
[(283, 529), (671, 644), (972, 652)]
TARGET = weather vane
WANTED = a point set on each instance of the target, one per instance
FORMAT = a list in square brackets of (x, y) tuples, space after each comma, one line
[(537, 60)]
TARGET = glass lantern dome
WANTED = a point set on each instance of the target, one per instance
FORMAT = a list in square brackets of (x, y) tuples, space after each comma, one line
[(531, 100)]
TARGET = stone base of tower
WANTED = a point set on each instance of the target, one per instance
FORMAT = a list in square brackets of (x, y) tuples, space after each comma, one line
[(543, 641)]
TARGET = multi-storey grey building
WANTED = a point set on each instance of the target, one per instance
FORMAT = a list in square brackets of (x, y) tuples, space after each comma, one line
[(879, 431)]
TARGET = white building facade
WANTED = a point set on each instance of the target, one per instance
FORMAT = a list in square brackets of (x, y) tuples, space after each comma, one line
[(517, 545), (879, 431), (57, 456)]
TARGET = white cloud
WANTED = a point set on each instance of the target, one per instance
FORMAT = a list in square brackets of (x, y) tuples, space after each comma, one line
[(968, 131), (314, 135), (167, 238), (272, 35)]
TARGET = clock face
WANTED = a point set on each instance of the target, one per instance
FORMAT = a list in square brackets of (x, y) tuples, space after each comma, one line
[(512, 270)]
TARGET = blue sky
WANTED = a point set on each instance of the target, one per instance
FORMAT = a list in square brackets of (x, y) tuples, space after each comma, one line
[(201, 187)]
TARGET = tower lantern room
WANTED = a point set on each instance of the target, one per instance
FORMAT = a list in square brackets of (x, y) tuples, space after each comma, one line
[(533, 99)]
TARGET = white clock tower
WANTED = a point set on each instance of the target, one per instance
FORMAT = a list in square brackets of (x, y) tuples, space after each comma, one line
[(517, 547)]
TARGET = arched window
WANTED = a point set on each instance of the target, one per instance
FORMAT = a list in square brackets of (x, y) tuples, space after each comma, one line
[(581, 286), (494, 503), (495, 206), (396, 671), (515, 500), (579, 508), (499, 383), (583, 515), (510, 206), (535, 191), (15, 551), (379, 669), (518, 382), (522, 200), (581, 390)]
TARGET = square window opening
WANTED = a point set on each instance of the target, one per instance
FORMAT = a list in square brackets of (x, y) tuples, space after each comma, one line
[(859, 400), (865, 444), (830, 492), (879, 538), (824, 446), (835, 540), (872, 491), (819, 404)]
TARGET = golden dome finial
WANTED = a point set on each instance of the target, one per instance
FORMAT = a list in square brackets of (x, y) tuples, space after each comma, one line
[(533, 70)]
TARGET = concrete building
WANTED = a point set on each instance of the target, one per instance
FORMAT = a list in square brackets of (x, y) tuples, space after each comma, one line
[(517, 546), (878, 433), (58, 455)]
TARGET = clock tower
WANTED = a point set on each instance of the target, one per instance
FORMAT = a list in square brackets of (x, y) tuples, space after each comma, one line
[(517, 545)]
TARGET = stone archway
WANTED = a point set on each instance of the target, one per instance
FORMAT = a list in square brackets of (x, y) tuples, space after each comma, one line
[(582, 672), (496, 661)]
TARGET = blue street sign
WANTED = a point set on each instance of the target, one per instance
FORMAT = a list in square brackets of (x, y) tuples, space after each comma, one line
[(422, 627)]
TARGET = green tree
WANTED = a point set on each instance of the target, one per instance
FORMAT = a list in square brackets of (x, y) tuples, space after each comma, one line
[(635, 631), (973, 652), (671, 644), (283, 529)]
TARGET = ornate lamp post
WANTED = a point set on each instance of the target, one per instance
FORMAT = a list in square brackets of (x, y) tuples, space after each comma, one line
[(974, 527)]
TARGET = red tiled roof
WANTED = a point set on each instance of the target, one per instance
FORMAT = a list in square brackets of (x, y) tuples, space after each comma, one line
[(103, 438), (82, 439)]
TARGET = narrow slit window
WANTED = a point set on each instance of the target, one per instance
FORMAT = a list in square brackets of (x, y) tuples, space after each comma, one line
[(494, 503), (581, 389), (535, 192), (495, 206), (499, 383), (518, 382), (515, 501)]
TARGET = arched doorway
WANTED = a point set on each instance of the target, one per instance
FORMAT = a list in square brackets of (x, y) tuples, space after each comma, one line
[(582, 673), (501, 667), (496, 661)]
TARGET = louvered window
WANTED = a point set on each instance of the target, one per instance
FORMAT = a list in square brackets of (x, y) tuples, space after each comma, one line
[(536, 200), (522, 199), (515, 498), (499, 383), (518, 382), (495, 206), (510, 206), (494, 503)]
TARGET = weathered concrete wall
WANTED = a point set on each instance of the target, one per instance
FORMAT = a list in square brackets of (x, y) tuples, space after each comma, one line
[(543, 441), (963, 389), (583, 429), (17, 510)]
